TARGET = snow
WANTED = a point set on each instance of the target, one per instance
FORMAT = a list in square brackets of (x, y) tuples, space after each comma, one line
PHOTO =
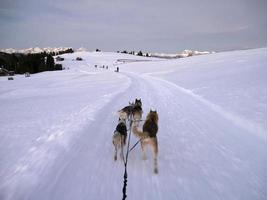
[(183, 54), (81, 49), (33, 50), (56, 128)]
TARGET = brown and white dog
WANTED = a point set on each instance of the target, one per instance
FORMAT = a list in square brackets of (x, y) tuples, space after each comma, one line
[(137, 111), (149, 136), (119, 137), (134, 109), (125, 112)]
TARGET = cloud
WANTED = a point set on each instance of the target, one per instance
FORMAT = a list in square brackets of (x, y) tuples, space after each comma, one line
[(150, 25)]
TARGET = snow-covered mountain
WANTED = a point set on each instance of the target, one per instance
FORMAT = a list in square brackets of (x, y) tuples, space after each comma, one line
[(56, 128), (183, 54), (33, 50), (81, 49)]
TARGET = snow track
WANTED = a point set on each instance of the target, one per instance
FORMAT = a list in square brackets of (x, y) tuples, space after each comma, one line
[(205, 152), (242, 123), (200, 155)]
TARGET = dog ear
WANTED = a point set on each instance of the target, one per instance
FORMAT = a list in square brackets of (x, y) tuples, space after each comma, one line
[(153, 110)]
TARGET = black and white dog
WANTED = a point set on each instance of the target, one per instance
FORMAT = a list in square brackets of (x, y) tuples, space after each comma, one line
[(119, 137)]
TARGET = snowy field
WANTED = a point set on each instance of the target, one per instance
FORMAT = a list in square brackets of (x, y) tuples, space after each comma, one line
[(56, 128)]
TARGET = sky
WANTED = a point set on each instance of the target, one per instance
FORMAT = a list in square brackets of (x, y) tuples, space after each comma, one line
[(148, 25)]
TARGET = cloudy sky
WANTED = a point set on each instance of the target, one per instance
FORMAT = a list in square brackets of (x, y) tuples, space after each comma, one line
[(148, 25)]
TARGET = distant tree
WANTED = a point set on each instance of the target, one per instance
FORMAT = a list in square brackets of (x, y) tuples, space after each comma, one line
[(140, 53), (70, 50), (58, 67), (97, 50), (41, 62), (147, 55), (50, 63), (33, 63)]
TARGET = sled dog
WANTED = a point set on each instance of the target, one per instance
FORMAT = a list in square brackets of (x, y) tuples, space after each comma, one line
[(119, 137), (149, 136), (137, 111), (126, 111), (138, 102), (134, 109)]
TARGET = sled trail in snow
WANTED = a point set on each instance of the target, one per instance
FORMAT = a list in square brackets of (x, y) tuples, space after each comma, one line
[(205, 152)]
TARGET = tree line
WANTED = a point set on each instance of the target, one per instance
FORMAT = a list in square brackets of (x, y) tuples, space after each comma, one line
[(33, 63), (139, 53)]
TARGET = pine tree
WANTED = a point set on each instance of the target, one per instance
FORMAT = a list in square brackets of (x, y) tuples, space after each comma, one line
[(140, 53), (50, 63)]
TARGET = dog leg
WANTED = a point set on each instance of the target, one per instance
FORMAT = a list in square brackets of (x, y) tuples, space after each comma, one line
[(139, 117), (121, 154), (143, 151), (136, 122), (115, 155), (156, 171), (155, 153)]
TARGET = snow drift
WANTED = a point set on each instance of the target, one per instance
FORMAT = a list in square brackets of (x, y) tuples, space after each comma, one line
[(56, 128)]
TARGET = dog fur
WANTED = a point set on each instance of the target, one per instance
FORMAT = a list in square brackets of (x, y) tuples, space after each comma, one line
[(134, 109), (125, 112), (137, 111), (119, 137), (149, 136), (138, 102)]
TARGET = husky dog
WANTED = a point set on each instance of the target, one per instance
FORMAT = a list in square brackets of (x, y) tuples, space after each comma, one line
[(134, 109), (119, 137), (138, 102), (149, 136), (137, 111), (126, 112)]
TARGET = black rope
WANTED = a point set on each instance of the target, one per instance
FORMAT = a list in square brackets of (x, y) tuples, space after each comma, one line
[(124, 195), (122, 142), (135, 145)]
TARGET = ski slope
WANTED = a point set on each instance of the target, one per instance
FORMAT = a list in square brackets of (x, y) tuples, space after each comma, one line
[(56, 128)]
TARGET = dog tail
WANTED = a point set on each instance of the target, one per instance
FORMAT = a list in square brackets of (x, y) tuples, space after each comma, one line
[(139, 133)]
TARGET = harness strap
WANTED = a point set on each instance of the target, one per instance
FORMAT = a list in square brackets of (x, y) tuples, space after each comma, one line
[(125, 160), (124, 195), (135, 145)]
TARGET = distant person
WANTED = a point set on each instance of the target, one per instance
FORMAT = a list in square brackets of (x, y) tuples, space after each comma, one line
[(118, 69)]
